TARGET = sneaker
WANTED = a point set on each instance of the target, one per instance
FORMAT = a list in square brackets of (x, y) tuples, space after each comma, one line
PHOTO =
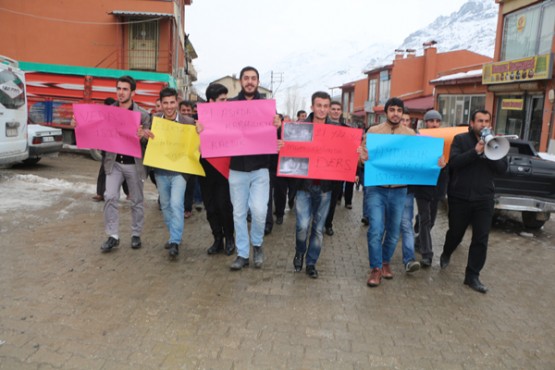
[(365, 221), (216, 247), (198, 207), (329, 231), (239, 263), (136, 242), (298, 262), (109, 244), (412, 266), (258, 257), (174, 250), (279, 220), (426, 262), (312, 272), (375, 277), (386, 271)]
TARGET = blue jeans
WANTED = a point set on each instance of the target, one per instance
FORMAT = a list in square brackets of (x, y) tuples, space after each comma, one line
[(311, 205), (385, 209), (172, 193), (407, 232), (249, 190)]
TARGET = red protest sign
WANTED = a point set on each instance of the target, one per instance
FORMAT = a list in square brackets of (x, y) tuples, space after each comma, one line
[(319, 151)]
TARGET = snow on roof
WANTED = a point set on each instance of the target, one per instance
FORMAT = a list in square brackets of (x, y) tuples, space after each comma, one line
[(459, 76)]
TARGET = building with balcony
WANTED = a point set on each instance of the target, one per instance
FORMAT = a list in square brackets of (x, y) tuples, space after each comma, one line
[(120, 35), (520, 83)]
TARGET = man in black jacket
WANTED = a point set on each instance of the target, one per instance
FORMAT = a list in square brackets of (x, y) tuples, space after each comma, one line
[(471, 193)]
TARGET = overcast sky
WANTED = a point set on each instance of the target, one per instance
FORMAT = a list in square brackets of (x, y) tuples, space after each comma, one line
[(229, 35)]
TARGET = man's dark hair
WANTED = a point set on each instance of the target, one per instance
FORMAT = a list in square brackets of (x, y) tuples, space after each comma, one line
[(300, 112), (249, 68), (394, 102), (335, 102), (213, 91), (481, 110), (406, 111), (321, 95), (186, 103), (130, 80), (109, 101), (168, 91)]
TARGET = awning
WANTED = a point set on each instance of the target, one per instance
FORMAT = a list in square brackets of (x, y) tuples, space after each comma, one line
[(129, 13), (420, 104)]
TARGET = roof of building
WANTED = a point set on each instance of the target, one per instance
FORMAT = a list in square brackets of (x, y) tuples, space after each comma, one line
[(131, 13), (420, 104), (459, 76)]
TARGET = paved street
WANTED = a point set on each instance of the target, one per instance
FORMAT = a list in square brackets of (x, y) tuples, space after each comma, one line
[(65, 305)]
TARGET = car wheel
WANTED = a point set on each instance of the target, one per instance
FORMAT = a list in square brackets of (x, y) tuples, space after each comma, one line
[(96, 154), (531, 222), (32, 161)]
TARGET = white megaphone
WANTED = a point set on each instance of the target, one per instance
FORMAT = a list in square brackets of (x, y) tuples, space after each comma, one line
[(496, 147)]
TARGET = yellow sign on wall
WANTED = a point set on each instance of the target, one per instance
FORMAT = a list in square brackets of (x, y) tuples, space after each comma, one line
[(538, 67), (512, 104)]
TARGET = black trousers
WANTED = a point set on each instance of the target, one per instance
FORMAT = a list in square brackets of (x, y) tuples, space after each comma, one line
[(478, 214), (285, 190), (215, 195), (269, 213), (190, 192), (427, 212), (335, 196)]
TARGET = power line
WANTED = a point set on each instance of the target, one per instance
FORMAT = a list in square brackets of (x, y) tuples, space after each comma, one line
[(76, 22)]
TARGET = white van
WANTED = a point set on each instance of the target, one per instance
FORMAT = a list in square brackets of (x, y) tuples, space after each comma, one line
[(13, 113)]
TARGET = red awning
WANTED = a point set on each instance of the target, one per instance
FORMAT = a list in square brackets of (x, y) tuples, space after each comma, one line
[(420, 104)]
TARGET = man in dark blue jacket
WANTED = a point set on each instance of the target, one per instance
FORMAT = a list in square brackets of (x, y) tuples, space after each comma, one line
[(471, 194)]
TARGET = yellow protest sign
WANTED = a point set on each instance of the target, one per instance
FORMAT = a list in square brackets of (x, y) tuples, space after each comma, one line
[(175, 147)]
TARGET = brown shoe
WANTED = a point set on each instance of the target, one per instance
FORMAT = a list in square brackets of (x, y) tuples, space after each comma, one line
[(386, 271), (98, 198), (375, 277)]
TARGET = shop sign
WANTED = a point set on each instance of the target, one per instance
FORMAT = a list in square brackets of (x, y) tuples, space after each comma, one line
[(538, 67), (512, 104)]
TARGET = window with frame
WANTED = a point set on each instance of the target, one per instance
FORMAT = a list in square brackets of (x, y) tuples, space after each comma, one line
[(457, 109), (385, 87), (529, 31), (372, 84)]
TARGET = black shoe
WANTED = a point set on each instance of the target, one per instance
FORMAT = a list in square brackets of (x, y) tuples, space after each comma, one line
[(475, 284), (298, 262), (311, 271), (444, 260), (174, 250), (365, 221), (258, 257), (136, 242), (329, 231), (239, 263), (279, 220), (426, 262), (268, 230), (109, 244), (216, 247), (167, 245), (229, 246)]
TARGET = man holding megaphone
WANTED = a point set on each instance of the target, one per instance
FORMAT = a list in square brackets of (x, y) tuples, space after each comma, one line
[(471, 194)]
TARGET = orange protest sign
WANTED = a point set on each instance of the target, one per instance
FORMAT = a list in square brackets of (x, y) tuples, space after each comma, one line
[(445, 133)]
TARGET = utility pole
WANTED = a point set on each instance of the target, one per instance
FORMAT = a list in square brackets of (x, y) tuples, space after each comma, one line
[(275, 77)]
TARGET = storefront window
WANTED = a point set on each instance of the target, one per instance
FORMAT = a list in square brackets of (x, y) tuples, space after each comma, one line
[(457, 109), (509, 122), (528, 32)]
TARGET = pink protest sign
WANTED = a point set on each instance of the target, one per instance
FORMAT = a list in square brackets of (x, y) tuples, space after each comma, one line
[(107, 128), (237, 128)]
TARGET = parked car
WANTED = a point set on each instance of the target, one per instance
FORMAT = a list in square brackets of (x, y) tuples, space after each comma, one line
[(528, 186), (43, 141)]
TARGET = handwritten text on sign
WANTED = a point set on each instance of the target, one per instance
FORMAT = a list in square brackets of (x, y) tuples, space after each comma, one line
[(175, 147), (332, 154), (107, 128), (238, 128), (402, 160)]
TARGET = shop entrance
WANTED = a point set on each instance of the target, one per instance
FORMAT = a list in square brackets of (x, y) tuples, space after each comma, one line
[(520, 115)]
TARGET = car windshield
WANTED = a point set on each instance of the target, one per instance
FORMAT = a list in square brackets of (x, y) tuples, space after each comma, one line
[(12, 90)]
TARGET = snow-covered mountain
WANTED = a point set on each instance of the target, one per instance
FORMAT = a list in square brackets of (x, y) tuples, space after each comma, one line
[(472, 27)]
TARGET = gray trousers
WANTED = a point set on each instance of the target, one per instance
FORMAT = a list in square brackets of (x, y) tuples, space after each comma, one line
[(120, 172)]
